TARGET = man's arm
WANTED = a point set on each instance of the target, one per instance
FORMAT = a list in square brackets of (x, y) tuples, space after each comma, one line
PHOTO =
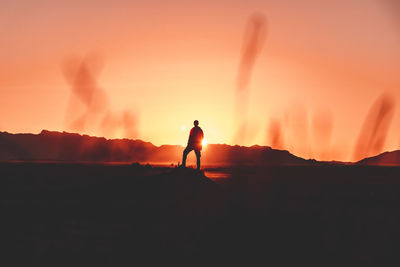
[(190, 136)]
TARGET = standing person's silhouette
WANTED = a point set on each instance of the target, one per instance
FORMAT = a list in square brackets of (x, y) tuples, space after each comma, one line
[(194, 143)]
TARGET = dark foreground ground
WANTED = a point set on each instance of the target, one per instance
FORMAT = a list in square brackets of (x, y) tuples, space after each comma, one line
[(97, 215)]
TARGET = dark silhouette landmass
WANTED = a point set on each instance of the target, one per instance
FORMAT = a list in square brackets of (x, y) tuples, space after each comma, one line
[(272, 208), (70, 214), (71, 147), (391, 158), (63, 214)]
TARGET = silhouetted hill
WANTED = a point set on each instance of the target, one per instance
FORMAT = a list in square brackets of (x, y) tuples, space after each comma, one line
[(254, 155), (84, 213), (386, 158), (63, 146)]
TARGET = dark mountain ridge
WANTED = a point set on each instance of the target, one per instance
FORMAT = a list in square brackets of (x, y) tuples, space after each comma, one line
[(390, 158), (73, 147)]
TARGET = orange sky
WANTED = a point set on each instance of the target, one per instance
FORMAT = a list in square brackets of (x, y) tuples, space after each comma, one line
[(170, 62)]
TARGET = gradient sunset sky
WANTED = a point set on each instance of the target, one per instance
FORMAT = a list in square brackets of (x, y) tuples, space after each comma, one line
[(322, 66)]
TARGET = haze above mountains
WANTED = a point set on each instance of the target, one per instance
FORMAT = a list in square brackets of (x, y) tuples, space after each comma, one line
[(72, 147)]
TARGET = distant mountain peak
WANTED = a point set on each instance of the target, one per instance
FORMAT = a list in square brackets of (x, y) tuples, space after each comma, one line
[(64, 146), (389, 158)]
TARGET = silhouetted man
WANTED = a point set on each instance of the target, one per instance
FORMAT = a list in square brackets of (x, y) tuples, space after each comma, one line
[(194, 143)]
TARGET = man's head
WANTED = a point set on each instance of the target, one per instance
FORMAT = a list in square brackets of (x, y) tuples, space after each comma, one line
[(196, 123)]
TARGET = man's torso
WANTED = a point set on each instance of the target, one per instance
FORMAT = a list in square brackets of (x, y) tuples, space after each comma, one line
[(195, 138)]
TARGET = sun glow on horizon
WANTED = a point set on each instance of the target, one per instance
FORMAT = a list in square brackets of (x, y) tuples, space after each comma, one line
[(204, 142)]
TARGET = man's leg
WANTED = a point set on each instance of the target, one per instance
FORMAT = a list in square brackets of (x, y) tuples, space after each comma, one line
[(198, 156), (185, 153)]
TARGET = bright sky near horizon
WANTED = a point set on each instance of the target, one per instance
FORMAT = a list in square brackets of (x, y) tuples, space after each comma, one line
[(166, 63)]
